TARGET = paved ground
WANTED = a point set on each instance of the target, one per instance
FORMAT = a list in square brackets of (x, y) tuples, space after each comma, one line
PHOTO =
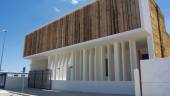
[(38, 92)]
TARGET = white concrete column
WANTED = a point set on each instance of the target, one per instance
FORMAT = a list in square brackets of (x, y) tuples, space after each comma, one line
[(72, 65), (96, 66), (137, 82), (117, 61), (102, 63), (65, 67), (91, 64), (59, 67), (124, 61), (81, 65), (110, 56), (51, 66), (133, 57), (128, 65), (150, 44), (76, 65), (49, 63), (68, 66), (55, 67), (85, 65)]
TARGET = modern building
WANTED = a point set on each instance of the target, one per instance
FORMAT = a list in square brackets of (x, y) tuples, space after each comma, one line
[(97, 47)]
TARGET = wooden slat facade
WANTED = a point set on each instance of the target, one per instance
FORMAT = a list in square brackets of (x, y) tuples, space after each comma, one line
[(160, 36), (99, 19)]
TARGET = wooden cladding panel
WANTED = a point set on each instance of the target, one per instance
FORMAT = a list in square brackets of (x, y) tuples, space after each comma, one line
[(160, 36), (99, 19), (82, 26), (137, 15), (155, 29), (87, 23), (115, 17), (77, 28), (166, 44), (103, 18), (125, 17), (165, 37), (109, 16), (71, 28), (120, 14), (95, 20)]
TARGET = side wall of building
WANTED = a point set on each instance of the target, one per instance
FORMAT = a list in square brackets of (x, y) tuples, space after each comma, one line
[(160, 36)]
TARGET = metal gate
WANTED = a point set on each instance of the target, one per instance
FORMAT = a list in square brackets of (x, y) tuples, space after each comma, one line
[(2, 80), (40, 79)]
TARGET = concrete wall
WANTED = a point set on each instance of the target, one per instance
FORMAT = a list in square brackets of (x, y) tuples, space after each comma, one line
[(155, 77), (16, 82), (89, 63), (119, 87), (39, 64)]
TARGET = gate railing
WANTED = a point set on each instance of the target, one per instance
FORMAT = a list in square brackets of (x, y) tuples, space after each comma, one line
[(40, 79)]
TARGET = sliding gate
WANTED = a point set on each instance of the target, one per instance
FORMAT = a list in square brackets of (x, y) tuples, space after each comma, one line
[(40, 79)]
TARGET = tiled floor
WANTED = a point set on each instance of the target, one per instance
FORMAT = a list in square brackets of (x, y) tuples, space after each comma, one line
[(38, 92)]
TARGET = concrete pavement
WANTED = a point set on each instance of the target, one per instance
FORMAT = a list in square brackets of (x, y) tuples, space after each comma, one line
[(40, 92)]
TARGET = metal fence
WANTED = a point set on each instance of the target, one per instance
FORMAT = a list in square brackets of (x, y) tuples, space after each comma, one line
[(40, 79)]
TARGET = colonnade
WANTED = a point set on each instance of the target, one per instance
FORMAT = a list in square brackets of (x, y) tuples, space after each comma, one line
[(109, 62)]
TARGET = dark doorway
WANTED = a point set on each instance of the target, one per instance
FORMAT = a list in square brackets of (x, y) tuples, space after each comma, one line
[(145, 56), (106, 62)]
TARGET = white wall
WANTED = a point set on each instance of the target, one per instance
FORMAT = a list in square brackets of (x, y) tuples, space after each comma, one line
[(39, 64), (71, 65), (146, 24), (119, 87), (145, 15), (156, 77), (16, 82)]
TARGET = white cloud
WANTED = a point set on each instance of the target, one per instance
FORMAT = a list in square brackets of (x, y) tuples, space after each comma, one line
[(74, 2), (57, 9)]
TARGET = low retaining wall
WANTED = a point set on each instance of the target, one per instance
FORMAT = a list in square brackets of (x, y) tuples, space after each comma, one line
[(122, 87), (155, 77), (16, 82)]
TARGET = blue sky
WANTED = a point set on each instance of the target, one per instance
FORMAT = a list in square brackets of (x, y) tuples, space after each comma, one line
[(23, 16)]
